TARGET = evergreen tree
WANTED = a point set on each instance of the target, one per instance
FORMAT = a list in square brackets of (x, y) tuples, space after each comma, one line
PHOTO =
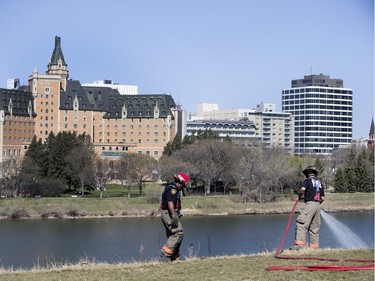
[(188, 140), (36, 157), (350, 172), (172, 146), (340, 184), (362, 173), (371, 168), (319, 167)]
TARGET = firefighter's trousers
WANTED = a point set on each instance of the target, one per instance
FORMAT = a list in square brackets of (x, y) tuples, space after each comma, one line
[(174, 235), (308, 221)]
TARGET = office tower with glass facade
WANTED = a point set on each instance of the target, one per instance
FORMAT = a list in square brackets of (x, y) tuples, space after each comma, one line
[(323, 113)]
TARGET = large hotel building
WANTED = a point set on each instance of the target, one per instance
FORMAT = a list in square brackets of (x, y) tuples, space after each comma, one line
[(117, 123), (323, 114)]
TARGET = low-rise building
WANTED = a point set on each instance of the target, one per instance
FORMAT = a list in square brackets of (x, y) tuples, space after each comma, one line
[(265, 126), (240, 132)]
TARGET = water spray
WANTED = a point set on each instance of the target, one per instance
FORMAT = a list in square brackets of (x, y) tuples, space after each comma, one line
[(277, 255), (345, 236)]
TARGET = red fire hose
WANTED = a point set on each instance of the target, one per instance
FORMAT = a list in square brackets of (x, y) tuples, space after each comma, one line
[(315, 267)]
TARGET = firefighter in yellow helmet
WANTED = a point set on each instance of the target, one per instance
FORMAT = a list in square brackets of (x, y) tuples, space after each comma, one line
[(170, 216), (312, 192)]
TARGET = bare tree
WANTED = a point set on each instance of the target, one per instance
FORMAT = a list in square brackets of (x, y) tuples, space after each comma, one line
[(226, 156), (125, 174), (245, 173), (278, 166), (80, 164), (104, 173), (172, 165), (10, 169), (139, 166), (201, 155)]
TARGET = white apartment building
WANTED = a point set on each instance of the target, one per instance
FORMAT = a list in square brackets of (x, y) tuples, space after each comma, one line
[(274, 128), (211, 111), (122, 89), (322, 110), (268, 127)]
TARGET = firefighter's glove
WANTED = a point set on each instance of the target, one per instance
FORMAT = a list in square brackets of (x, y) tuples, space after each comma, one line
[(175, 220)]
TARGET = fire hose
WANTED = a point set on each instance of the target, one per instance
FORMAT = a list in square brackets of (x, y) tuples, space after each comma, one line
[(277, 255)]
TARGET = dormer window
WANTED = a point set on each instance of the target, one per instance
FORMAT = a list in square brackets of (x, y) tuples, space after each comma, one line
[(75, 104)]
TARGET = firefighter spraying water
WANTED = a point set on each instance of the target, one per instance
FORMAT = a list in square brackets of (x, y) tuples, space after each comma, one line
[(308, 221), (312, 192)]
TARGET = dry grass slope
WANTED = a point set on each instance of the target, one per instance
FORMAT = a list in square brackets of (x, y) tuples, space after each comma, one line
[(243, 267)]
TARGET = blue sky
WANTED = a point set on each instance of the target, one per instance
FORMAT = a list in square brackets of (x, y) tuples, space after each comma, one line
[(236, 53)]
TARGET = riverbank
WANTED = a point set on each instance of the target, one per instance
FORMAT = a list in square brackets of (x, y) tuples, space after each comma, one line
[(242, 267), (91, 207)]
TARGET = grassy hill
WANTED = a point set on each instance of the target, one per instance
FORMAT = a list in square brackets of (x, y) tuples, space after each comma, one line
[(244, 267), (116, 203)]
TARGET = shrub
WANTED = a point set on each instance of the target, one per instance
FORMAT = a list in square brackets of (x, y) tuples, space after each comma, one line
[(73, 212), (18, 214)]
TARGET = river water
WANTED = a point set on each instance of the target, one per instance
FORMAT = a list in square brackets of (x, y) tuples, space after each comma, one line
[(29, 243)]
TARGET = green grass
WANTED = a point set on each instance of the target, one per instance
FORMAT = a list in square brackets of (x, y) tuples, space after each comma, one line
[(244, 267), (148, 204)]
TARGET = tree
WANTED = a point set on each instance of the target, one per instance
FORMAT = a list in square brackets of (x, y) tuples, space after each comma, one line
[(58, 147), (201, 154), (139, 166), (371, 168), (350, 173), (339, 181), (319, 167), (126, 175), (358, 168), (10, 169), (207, 134), (363, 173), (37, 157), (172, 146), (80, 163), (172, 165), (227, 158)]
